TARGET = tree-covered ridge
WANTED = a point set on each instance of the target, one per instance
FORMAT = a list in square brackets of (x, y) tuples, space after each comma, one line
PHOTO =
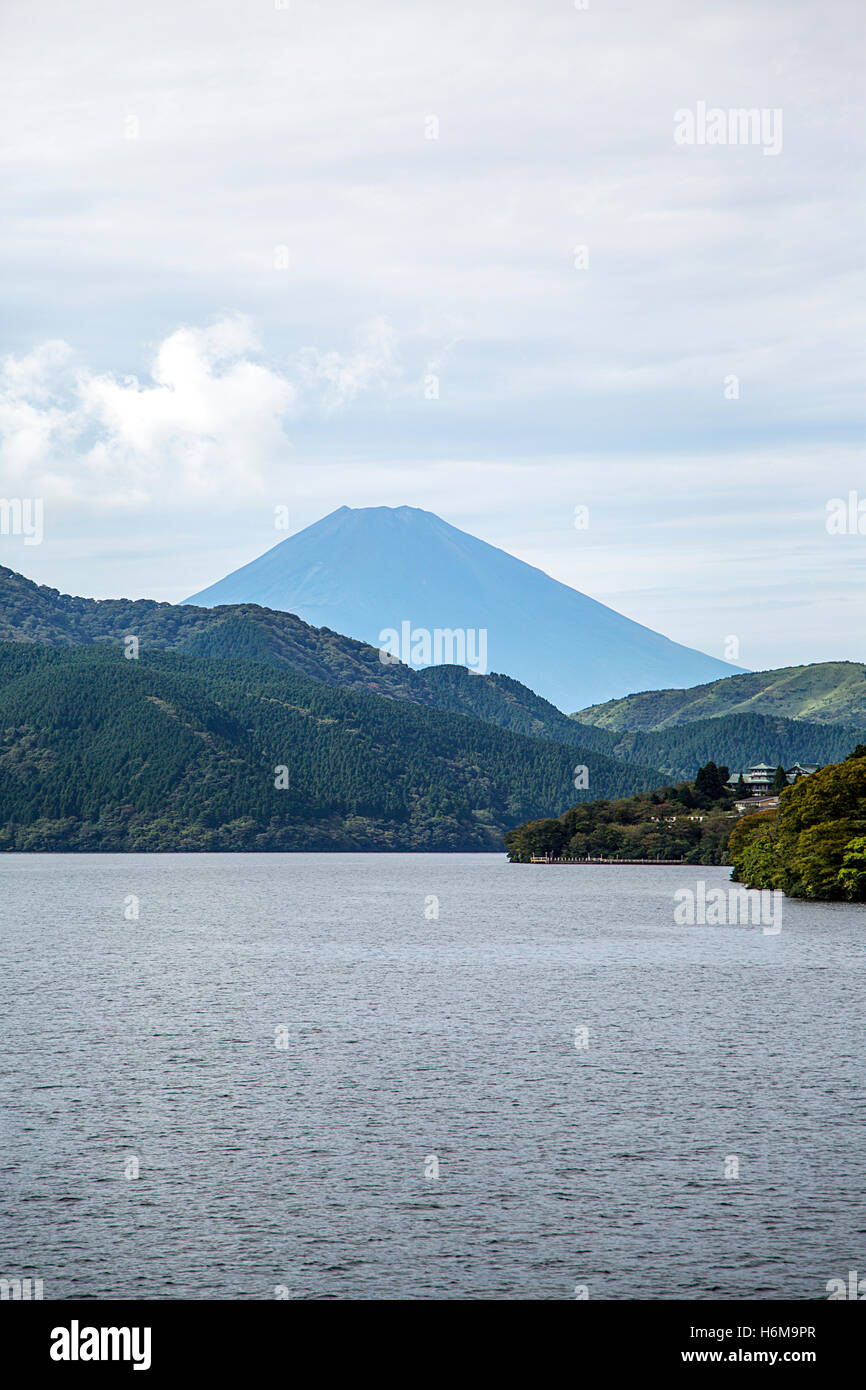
[(34, 613), (827, 692), (690, 821), (814, 844), (738, 740), (29, 612), (170, 752)]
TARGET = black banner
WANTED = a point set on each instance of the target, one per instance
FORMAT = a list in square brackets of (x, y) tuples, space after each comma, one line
[(167, 1339)]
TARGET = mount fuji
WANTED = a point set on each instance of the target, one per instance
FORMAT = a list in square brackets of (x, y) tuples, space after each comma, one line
[(404, 579)]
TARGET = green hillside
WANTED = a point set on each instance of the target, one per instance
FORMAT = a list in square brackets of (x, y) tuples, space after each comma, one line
[(34, 613), (171, 752), (829, 692), (814, 844), (735, 739)]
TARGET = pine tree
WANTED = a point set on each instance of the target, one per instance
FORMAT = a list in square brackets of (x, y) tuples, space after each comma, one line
[(709, 782)]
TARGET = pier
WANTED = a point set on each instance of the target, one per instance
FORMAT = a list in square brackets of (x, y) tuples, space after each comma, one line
[(546, 859)]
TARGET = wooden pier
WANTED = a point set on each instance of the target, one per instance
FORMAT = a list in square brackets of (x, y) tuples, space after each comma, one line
[(546, 859)]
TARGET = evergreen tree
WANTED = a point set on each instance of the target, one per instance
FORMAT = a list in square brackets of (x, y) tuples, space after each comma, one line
[(177, 753), (709, 782)]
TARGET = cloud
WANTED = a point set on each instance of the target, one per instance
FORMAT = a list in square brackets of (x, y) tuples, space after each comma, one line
[(208, 425), (306, 127), (374, 364), (212, 419)]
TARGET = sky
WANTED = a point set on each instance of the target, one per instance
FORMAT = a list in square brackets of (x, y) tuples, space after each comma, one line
[(490, 259)]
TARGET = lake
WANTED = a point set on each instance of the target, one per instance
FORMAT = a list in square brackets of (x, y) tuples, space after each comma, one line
[(285, 1048)]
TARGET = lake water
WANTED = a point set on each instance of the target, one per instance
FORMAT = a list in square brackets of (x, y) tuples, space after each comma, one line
[(295, 1160)]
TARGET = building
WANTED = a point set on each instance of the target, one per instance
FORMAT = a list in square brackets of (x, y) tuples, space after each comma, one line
[(801, 770), (757, 803), (758, 781)]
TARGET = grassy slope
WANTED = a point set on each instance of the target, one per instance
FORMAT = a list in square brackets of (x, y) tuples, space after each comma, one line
[(829, 692)]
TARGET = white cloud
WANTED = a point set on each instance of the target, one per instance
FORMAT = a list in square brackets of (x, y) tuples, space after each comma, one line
[(208, 425), (341, 377), (212, 419)]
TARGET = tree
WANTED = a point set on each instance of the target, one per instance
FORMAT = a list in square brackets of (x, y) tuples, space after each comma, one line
[(752, 850), (813, 845), (852, 875), (780, 781), (709, 782)]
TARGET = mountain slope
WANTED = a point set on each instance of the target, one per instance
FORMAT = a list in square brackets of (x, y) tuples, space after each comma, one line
[(179, 753), (367, 570), (828, 692), (28, 612), (34, 613), (737, 740)]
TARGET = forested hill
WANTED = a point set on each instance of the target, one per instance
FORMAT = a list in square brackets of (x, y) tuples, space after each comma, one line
[(814, 844), (691, 821), (33, 613), (170, 752), (828, 692), (735, 739)]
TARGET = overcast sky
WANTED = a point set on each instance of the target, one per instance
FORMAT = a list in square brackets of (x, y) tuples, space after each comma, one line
[(331, 254)]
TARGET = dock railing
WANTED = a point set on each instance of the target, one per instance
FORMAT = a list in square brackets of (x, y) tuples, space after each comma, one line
[(548, 859)]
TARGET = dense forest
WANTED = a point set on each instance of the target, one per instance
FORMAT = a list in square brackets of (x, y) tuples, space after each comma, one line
[(177, 749), (690, 821), (737, 740), (33, 613), (171, 752), (814, 844)]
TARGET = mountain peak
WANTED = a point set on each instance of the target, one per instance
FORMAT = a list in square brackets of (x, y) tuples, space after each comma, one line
[(402, 513), (402, 575)]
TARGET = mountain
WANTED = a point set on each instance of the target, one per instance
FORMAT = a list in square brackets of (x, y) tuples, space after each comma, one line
[(169, 752), (737, 740), (35, 613), (828, 692), (369, 570), (29, 612)]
